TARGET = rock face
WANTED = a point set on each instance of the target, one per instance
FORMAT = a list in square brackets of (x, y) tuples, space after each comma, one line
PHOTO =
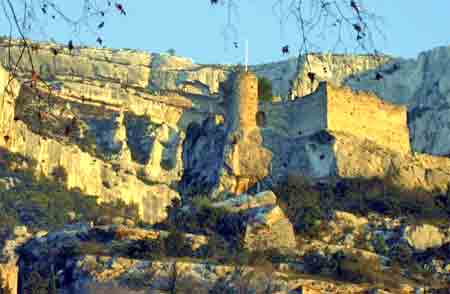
[(423, 85), (203, 152), (9, 269), (336, 68)]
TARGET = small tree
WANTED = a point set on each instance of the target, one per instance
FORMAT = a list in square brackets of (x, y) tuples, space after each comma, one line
[(171, 52), (264, 89)]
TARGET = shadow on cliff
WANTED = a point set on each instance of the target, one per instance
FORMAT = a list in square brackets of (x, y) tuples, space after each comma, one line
[(87, 126), (45, 203), (309, 206)]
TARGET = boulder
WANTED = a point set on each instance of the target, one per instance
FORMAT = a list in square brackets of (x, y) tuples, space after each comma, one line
[(269, 228), (423, 237), (245, 201), (350, 219)]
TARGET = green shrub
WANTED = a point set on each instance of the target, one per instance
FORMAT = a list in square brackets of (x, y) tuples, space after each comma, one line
[(359, 269), (318, 263), (264, 89), (304, 205), (145, 249), (203, 218), (176, 244)]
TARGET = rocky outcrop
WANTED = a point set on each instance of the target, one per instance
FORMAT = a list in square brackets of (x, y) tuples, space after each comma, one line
[(90, 149), (203, 152), (266, 225)]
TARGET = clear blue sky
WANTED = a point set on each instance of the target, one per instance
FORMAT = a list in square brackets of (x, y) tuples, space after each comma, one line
[(194, 28)]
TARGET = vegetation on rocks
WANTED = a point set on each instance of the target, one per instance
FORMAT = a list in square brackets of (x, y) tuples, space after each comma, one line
[(264, 89), (309, 205), (45, 203), (204, 218)]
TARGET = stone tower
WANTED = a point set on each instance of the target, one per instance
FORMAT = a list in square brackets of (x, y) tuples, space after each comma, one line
[(244, 104), (246, 159)]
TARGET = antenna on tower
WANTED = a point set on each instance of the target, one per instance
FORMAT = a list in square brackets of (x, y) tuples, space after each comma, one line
[(246, 55)]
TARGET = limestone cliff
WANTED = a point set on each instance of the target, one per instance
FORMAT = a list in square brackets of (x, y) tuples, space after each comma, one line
[(423, 84)]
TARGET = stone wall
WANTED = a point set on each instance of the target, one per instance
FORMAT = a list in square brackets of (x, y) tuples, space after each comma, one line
[(301, 117), (366, 116), (339, 109), (336, 68)]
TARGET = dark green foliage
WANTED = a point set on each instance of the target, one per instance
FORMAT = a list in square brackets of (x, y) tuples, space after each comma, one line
[(8, 222), (171, 52), (317, 263), (145, 249), (264, 89), (168, 164), (305, 206), (359, 269), (222, 286), (35, 283), (176, 244), (203, 218)]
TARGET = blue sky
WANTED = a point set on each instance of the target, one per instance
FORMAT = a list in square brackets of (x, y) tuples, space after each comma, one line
[(194, 29)]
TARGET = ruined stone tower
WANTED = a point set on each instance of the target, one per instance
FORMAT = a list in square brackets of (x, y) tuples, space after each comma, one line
[(244, 103), (247, 160)]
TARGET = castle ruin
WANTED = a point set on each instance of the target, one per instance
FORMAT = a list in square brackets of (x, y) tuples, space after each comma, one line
[(144, 98), (257, 153)]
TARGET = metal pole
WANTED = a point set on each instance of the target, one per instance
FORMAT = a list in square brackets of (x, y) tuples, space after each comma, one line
[(246, 55)]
